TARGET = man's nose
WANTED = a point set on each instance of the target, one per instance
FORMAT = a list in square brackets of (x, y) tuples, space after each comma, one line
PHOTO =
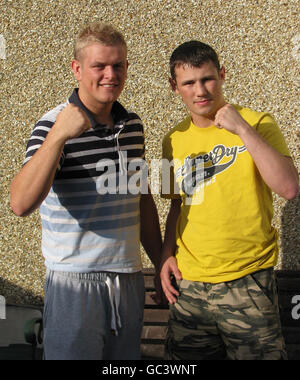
[(109, 72), (200, 89)]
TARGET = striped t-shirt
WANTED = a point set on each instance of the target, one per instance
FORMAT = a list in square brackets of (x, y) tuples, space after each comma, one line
[(90, 221)]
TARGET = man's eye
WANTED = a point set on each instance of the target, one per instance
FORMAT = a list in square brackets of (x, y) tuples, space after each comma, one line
[(118, 67), (208, 79)]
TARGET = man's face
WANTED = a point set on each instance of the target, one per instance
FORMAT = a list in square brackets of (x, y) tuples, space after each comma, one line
[(201, 90), (101, 72)]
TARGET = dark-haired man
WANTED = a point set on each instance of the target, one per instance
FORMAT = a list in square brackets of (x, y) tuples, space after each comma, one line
[(219, 241)]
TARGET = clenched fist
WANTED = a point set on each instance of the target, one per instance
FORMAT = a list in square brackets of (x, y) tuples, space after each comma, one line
[(71, 122), (228, 118)]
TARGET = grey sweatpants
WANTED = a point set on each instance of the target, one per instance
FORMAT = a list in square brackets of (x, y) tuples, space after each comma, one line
[(93, 316)]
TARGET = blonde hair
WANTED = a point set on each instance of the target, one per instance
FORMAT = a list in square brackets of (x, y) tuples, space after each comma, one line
[(101, 33)]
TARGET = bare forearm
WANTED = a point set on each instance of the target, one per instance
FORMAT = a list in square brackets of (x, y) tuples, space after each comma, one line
[(150, 229), (169, 245), (32, 184), (277, 171), (169, 263)]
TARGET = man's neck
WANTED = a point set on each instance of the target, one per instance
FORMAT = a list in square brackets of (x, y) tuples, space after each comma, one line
[(202, 122), (104, 119), (101, 111)]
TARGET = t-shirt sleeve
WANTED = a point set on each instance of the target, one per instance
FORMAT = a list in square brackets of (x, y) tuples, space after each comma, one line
[(270, 131)]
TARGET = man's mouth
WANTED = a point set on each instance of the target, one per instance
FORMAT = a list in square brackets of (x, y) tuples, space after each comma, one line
[(202, 101), (108, 85)]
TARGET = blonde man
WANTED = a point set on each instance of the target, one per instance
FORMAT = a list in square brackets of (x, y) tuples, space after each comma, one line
[(91, 227)]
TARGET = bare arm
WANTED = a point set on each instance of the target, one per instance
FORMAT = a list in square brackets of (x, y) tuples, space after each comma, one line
[(31, 185), (151, 239), (277, 170), (169, 264), (150, 229)]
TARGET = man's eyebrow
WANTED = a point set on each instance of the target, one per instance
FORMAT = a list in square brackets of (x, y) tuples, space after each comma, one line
[(188, 81), (204, 78), (99, 63)]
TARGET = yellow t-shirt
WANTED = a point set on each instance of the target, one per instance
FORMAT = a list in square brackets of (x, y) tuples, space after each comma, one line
[(224, 230)]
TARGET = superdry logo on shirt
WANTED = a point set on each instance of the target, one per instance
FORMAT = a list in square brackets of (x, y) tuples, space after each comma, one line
[(195, 170)]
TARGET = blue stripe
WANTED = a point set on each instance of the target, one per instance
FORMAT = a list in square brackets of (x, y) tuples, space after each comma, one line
[(89, 199), (97, 227)]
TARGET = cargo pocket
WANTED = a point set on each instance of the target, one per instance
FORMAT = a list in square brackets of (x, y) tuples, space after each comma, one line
[(263, 292)]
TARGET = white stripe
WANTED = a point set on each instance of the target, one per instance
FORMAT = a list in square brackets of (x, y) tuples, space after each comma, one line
[(88, 220), (76, 194), (76, 234), (82, 247), (52, 194), (134, 121), (33, 137), (85, 139), (41, 128), (90, 152), (51, 115), (132, 146), (33, 147), (131, 134), (92, 260)]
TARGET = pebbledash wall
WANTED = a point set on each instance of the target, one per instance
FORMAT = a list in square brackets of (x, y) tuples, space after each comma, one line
[(258, 42)]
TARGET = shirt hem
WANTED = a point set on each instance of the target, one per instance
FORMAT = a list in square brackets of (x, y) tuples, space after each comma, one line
[(117, 269), (225, 278)]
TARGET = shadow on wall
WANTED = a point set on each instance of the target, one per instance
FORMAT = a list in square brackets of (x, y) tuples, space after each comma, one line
[(16, 295), (290, 227)]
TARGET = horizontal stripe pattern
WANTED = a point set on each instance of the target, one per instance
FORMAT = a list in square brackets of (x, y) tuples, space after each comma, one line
[(94, 255), (84, 230)]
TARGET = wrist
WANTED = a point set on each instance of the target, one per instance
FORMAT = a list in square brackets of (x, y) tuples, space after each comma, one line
[(166, 255), (243, 129), (56, 138)]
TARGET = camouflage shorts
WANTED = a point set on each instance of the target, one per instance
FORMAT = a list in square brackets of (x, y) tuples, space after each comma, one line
[(236, 320)]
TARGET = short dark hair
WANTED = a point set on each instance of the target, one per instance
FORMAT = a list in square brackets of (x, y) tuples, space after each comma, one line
[(193, 53)]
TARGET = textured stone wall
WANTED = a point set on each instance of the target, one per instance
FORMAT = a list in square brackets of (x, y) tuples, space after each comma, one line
[(258, 42)]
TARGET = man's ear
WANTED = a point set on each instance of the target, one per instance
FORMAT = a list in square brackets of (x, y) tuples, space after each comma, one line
[(76, 68), (222, 73), (127, 65), (173, 84)]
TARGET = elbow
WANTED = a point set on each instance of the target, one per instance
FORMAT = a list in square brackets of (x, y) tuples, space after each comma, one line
[(292, 195), (17, 209), (291, 192)]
